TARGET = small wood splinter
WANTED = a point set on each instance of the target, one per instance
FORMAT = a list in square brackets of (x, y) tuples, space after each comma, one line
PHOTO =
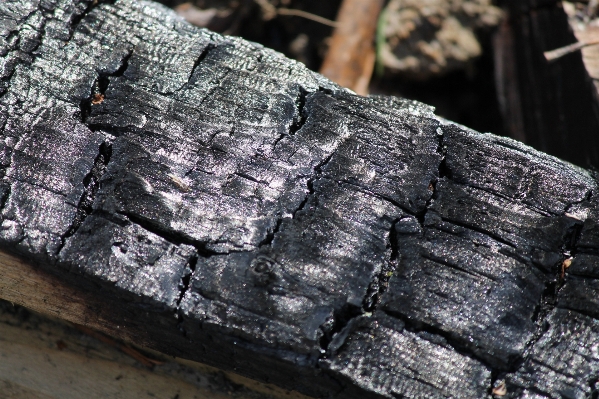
[(179, 182), (97, 98), (500, 389), (565, 265)]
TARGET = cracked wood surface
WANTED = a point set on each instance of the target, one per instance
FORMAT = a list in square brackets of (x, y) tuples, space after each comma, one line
[(211, 199)]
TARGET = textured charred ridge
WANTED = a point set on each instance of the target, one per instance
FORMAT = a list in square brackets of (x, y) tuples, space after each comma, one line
[(91, 183), (336, 329), (425, 331), (31, 54), (172, 236), (555, 282), (76, 19), (543, 309), (549, 300)]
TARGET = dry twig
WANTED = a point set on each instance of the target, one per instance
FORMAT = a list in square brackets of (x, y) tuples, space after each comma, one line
[(269, 12), (571, 48)]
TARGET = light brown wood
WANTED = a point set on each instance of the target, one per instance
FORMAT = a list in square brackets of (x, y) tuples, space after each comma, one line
[(351, 56), (28, 285)]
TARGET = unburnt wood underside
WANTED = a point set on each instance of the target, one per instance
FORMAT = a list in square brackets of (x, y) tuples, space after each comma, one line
[(209, 198)]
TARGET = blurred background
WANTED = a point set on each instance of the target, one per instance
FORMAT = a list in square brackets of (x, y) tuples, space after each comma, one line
[(481, 63)]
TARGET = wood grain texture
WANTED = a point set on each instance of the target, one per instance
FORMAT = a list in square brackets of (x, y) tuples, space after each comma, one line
[(208, 198)]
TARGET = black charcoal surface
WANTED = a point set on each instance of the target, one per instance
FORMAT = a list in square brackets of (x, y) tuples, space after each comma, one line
[(252, 215)]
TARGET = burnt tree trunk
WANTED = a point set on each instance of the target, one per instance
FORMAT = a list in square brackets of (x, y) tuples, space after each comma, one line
[(211, 199)]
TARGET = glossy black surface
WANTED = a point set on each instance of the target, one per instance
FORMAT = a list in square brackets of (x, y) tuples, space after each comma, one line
[(264, 220)]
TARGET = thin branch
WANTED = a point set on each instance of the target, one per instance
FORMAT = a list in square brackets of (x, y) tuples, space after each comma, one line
[(571, 48), (307, 15), (269, 12)]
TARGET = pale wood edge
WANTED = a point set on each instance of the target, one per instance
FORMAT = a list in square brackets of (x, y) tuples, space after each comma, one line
[(26, 284)]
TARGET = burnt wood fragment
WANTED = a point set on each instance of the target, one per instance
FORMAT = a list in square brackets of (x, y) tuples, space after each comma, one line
[(209, 198)]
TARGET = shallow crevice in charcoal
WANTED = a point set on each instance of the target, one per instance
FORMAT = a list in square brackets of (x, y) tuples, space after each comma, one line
[(443, 172), (209, 47), (581, 271), (558, 285), (185, 282), (270, 235), (91, 183), (380, 283), (172, 236), (98, 91), (334, 329), (300, 118), (4, 194), (593, 384), (570, 252)]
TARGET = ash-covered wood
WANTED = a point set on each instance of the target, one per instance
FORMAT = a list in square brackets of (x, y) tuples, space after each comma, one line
[(227, 205)]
